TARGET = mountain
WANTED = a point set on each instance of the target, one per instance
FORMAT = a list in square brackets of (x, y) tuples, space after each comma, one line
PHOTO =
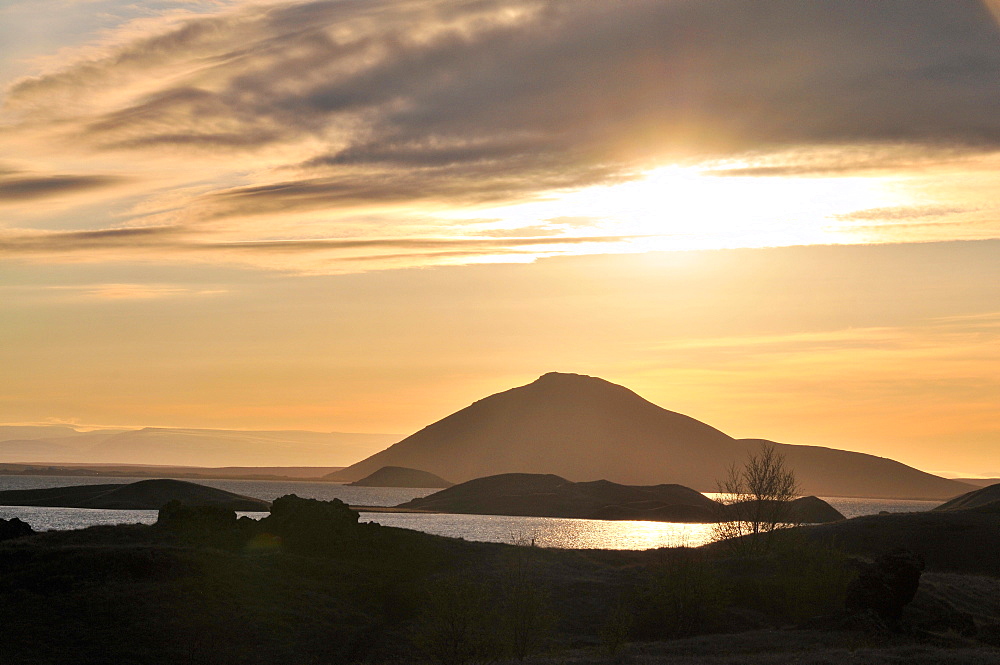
[(585, 428), (980, 498), (141, 495), (398, 476), (188, 447)]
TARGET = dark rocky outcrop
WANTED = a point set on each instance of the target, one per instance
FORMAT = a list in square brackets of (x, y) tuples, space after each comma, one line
[(583, 427), (400, 476), (310, 525), (14, 528), (141, 495), (886, 585)]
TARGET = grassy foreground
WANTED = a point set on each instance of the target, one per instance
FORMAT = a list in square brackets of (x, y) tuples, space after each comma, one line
[(312, 585)]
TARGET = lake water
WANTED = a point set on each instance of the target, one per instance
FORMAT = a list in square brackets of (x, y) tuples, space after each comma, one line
[(544, 531)]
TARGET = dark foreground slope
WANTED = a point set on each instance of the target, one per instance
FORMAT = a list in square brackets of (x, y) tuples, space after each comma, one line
[(958, 540), (583, 428), (398, 476), (141, 495), (312, 585), (547, 495)]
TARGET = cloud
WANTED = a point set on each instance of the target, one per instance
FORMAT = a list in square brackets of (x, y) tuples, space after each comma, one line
[(137, 291), (344, 108), (904, 213), (16, 187), (310, 254)]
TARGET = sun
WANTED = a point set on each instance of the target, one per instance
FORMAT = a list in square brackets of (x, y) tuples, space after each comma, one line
[(689, 208)]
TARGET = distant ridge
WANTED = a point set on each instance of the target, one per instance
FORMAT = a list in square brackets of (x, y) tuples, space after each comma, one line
[(186, 447), (584, 428)]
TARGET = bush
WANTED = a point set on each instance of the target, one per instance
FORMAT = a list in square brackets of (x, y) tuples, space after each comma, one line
[(456, 622), (526, 620), (797, 580), (685, 597), (755, 502)]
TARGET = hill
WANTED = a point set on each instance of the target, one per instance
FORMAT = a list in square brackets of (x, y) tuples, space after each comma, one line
[(187, 447), (547, 495), (964, 541), (141, 495), (985, 497), (398, 476), (583, 428)]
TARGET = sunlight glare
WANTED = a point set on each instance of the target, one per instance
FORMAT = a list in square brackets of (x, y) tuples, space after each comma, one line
[(684, 208)]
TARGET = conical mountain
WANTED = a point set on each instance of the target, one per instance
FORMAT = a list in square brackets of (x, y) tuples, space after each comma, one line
[(585, 428), (578, 427)]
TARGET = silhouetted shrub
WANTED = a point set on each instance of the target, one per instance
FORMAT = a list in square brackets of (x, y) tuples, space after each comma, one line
[(798, 580), (685, 597), (457, 622), (525, 619)]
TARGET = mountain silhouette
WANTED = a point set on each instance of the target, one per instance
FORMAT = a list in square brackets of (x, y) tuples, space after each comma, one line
[(585, 428)]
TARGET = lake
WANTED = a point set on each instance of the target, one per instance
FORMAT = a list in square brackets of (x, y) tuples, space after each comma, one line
[(543, 531)]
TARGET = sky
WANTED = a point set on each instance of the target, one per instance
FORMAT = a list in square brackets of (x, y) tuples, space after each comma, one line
[(776, 216)]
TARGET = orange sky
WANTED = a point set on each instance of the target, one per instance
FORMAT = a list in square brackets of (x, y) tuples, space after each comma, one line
[(777, 217)]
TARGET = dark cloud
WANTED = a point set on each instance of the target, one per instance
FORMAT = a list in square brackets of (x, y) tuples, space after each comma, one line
[(487, 99), (469, 183), (139, 243), (63, 242), (17, 187)]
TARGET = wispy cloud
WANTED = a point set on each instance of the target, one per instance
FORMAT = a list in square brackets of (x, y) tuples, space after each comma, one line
[(338, 109), (18, 187)]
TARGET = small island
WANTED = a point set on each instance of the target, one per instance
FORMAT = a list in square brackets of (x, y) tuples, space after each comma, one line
[(140, 495), (401, 476), (549, 495)]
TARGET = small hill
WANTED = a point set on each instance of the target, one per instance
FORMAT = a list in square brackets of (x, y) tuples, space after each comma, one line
[(141, 495), (399, 476), (582, 427), (981, 498), (965, 541)]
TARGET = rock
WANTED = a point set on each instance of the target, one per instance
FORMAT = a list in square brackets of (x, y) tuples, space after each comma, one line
[(886, 585), (310, 525), (210, 525), (14, 528)]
